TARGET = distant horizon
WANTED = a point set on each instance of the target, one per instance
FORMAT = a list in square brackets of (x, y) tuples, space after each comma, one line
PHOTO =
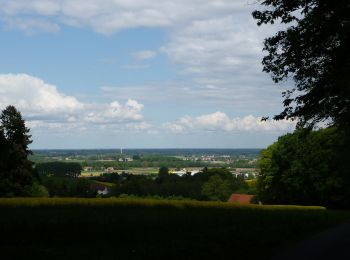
[(126, 149)]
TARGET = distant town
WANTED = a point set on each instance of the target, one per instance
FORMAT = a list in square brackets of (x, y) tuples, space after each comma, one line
[(240, 162)]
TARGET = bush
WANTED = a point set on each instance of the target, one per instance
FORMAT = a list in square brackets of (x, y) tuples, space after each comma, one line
[(306, 168)]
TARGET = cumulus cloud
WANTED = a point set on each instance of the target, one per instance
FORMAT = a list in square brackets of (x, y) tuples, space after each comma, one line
[(45, 107), (34, 96), (219, 121), (115, 112)]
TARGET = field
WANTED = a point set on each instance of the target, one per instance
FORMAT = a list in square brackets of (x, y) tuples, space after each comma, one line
[(123, 228), (136, 171), (90, 173)]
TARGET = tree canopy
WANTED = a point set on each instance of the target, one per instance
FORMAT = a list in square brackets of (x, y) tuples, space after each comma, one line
[(59, 169), (306, 168), (16, 171), (314, 51)]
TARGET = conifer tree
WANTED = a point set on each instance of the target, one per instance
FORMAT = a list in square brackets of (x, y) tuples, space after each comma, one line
[(16, 171)]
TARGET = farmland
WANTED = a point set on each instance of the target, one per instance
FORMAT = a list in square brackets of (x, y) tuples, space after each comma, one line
[(58, 228)]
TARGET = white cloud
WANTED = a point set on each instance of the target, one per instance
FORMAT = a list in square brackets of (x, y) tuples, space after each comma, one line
[(144, 55), (218, 122), (109, 16), (45, 107), (34, 96), (115, 112)]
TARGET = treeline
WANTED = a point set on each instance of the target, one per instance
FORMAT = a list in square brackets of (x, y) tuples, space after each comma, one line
[(145, 164), (307, 168), (177, 163), (210, 184), (61, 179), (59, 169)]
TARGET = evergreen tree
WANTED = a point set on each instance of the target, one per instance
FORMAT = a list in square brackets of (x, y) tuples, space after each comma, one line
[(16, 171)]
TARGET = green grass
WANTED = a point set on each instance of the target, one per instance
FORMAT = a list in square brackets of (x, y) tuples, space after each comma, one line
[(77, 228)]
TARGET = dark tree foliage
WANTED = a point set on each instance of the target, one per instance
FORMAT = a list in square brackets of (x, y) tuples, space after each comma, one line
[(59, 169), (306, 168), (172, 185), (16, 171), (314, 51), (163, 171), (69, 187)]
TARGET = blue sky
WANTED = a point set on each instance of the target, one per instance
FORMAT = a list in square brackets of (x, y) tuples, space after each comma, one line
[(138, 74)]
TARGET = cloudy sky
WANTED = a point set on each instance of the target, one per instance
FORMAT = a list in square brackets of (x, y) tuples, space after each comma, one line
[(138, 73)]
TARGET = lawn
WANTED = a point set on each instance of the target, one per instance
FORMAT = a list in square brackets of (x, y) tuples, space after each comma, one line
[(124, 228)]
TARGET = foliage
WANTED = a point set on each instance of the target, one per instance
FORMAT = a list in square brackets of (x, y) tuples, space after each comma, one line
[(314, 50), (59, 169), (37, 190), (306, 168), (163, 171), (167, 185), (217, 189), (16, 171), (69, 187)]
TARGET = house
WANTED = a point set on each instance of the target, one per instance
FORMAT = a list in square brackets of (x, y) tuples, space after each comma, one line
[(241, 198)]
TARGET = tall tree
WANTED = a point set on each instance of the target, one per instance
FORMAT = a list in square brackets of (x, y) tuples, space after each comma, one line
[(16, 171), (314, 51)]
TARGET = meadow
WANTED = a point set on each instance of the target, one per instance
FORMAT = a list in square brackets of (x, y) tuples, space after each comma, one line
[(74, 228)]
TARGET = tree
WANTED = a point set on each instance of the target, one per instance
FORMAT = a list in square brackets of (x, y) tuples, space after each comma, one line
[(216, 188), (306, 168), (59, 169), (314, 51), (16, 171), (164, 171)]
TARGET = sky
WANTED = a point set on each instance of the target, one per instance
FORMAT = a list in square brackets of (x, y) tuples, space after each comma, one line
[(138, 73)]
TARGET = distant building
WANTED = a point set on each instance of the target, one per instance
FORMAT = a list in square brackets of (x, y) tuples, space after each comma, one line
[(110, 169)]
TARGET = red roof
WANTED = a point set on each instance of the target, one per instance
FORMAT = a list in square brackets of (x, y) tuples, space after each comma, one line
[(241, 198)]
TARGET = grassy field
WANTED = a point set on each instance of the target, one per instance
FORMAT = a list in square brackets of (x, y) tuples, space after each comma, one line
[(91, 173), (123, 228), (136, 171)]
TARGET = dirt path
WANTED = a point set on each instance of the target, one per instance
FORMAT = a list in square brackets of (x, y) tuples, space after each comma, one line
[(331, 244)]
